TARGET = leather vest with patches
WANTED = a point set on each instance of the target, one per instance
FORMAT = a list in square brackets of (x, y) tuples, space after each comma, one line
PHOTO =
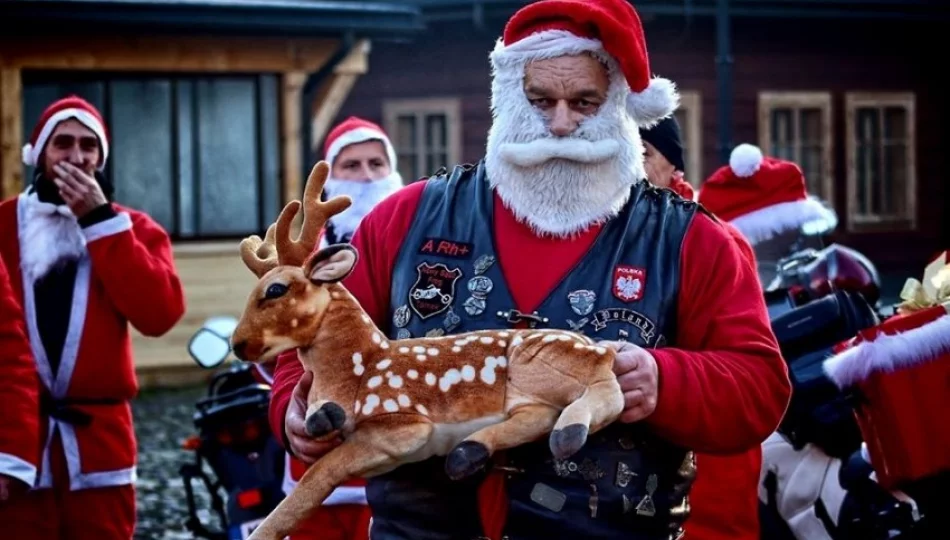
[(446, 280)]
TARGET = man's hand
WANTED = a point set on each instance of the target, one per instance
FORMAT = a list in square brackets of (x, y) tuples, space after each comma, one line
[(11, 487), (638, 376), (80, 191), (302, 445)]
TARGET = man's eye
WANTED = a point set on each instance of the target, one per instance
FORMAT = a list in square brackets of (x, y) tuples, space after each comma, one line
[(542, 103), (276, 290)]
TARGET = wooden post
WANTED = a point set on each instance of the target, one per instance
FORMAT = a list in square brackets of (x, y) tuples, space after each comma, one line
[(291, 87), (11, 124), (335, 90)]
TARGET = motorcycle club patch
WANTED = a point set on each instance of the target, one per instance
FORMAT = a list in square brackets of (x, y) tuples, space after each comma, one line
[(446, 248), (434, 289), (629, 282), (582, 302)]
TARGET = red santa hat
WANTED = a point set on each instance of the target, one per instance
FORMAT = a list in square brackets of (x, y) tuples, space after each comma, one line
[(355, 130), (609, 29), (70, 107), (764, 197)]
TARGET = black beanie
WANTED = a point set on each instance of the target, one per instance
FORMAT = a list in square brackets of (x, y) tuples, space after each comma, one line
[(665, 137)]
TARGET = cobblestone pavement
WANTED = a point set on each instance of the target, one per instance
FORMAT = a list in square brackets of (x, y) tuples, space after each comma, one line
[(162, 423)]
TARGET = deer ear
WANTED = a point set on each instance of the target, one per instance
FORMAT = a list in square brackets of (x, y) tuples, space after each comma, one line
[(331, 264)]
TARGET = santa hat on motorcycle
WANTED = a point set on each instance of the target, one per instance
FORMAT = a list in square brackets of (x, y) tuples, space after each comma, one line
[(608, 29), (764, 197)]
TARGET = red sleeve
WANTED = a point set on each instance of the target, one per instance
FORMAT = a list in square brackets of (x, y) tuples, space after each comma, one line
[(745, 248), (725, 387), (377, 240), (19, 423), (132, 258)]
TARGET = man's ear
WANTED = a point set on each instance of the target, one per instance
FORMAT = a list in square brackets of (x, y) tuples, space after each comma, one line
[(331, 264)]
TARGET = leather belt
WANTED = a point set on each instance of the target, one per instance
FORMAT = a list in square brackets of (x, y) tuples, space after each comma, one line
[(64, 410)]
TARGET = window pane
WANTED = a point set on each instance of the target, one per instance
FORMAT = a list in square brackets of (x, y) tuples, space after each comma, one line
[(810, 142), (782, 136), (895, 124), (228, 166), (140, 118), (436, 133), (407, 167), (406, 133), (895, 176), (867, 131)]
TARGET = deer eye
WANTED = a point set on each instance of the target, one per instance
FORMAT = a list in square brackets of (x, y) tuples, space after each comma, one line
[(275, 290)]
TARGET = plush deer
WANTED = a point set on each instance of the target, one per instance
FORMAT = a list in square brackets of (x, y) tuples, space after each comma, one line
[(394, 402)]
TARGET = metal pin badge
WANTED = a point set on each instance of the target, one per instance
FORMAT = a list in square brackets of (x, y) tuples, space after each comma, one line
[(403, 334), (483, 263), (624, 475), (646, 507), (435, 332), (548, 497), (401, 316)]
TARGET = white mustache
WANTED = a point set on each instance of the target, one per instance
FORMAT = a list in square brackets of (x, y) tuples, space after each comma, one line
[(538, 151)]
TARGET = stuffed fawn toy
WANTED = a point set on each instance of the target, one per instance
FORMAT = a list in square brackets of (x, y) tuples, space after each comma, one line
[(394, 402)]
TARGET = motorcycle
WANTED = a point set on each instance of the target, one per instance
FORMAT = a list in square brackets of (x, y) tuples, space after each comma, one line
[(817, 480), (233, 443)]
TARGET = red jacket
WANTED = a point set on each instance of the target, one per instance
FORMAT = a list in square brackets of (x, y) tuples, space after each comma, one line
[(723, 390), (127, 276), (19, 401)]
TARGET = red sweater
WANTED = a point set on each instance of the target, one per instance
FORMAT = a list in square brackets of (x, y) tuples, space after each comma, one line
[(722, 390)]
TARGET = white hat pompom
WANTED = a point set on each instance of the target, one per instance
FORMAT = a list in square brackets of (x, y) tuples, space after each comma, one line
[(27, 155), (654, 103), (745, 160)]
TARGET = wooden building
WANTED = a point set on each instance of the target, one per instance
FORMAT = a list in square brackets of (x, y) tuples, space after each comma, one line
[(842, 87), (210, 105)]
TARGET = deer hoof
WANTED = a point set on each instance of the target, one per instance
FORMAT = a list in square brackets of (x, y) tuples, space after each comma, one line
[(466, 459), (566, 442), (328, 419)]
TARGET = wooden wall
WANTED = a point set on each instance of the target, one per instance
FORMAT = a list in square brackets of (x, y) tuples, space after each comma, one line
[(783, 54)]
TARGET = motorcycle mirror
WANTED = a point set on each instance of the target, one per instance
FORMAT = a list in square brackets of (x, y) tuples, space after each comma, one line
[(208, 348), (223, 326)]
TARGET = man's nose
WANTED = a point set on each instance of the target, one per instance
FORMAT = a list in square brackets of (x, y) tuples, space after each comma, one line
[(75, 155), (562, 122)]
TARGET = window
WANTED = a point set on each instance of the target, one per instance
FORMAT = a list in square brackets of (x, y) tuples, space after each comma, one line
[(199, 154), (796, 126), (689, 116), (881, 169), (427, 134)]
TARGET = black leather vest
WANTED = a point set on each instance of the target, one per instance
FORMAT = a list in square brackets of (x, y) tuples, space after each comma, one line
[(446, 280)]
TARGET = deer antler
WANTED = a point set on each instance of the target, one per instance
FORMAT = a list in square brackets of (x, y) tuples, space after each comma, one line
[(278, 248)]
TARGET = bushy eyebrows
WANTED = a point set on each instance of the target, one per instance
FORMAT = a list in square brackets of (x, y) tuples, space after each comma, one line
[(580, 93)]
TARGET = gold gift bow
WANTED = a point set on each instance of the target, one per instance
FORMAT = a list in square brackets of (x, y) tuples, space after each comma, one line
[(933, 290)]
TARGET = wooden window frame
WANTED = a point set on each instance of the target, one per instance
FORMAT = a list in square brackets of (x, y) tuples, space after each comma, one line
[(449, 106), (854, 101), (691, 101), (768, 101)]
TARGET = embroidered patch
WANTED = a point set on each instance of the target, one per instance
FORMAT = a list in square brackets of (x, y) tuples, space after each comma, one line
[(640, 321), (582, 302), (629, 282), (434, 289), (446, 248)]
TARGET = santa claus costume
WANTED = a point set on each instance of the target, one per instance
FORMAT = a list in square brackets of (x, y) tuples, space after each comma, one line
[(563, 232), (364, 192), (19, 424), (81, 283)]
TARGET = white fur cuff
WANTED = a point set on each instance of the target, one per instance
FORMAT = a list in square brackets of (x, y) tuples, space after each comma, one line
[(18, 468), (119, 223), (890, 353)]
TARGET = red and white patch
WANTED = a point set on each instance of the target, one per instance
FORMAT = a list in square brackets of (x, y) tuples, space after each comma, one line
[(629, 282)]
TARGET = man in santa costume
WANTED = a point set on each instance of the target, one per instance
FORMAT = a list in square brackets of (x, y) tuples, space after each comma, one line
[(85, 269), (19, 424), (363, 166), (767, 200), (557, 228)]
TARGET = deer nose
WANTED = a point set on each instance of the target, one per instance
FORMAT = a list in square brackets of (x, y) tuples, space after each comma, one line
[(240, 350)]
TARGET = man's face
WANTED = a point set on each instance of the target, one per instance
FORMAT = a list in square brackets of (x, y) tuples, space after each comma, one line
[(566, 90), (73, 143), (361, 162), (659, 170)]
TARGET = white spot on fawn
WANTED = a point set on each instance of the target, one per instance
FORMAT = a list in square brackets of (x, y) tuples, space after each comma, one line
[(395, 382), (501, 343), (357, 358), (461, 342), (430, 379), (419, 350), (374, 382), (451, 377), (487, 373), (468, 373), (517, 341), (433, 351), (377, 338), (390, 406), (487, 340), (412, 374), (421, 357), (365, 318), (358, 370), (384, 345), (372, 401), (294, 323), (403, 350), (404, 400), (383, 364), (422, 409), (356, 408), (456, 349), (502, 334), (550, 338)]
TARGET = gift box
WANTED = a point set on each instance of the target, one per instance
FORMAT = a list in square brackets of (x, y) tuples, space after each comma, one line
[(899, 374)]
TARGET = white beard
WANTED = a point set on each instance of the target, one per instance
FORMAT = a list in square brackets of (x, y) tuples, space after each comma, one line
[(49, 236), (365, 195), (561, 186)]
